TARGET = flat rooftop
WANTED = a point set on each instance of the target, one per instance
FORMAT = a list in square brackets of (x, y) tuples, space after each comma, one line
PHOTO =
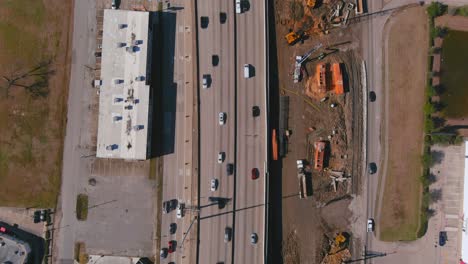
[(124, 98), (12, 250)]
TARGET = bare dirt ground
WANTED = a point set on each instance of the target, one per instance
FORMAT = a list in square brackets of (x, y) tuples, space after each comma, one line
[(307, 221), (407, 64), (34, 66)]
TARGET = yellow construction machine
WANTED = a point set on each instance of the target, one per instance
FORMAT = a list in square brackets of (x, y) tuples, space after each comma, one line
[(311, 3), (293, 37)]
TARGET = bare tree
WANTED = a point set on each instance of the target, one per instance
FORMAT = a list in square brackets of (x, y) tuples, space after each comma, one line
[(35, 80)]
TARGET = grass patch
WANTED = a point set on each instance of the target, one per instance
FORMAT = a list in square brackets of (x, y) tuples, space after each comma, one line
[(82, 207), (462, 11), (454, 78), (80, 254)]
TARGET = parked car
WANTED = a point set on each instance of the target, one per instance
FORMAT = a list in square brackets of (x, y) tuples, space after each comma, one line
[(227, 234), (253, 238), (255, 111), (222, 118), (229, 168), (255, 174), (247, 71), (213, 185), (172, 228), (372, 168), (370, 225)]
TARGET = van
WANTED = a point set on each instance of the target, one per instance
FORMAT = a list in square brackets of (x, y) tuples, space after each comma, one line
[(246, 71), (238, 6)]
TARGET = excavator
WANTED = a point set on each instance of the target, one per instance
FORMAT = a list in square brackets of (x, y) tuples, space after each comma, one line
[(294, 37)]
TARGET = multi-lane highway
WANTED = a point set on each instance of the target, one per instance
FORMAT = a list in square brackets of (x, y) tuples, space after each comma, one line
[(226, 42)]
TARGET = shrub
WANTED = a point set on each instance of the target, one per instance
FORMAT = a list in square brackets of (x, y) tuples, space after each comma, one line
[(82, 207), (462, 11), (436, 9)]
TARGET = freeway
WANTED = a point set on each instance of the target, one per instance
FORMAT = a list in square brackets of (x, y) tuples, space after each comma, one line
[(251, 134), (216, 39), (238, 40)]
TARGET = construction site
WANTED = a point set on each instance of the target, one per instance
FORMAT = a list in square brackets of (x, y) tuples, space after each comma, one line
[(320, 126)]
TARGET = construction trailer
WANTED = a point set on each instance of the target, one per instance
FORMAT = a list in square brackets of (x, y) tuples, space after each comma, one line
[(319, 154), (321, 77), (305, 181), (337, 79)]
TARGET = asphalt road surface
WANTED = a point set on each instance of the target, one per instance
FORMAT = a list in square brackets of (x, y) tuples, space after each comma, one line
[(216, 39), (178, 89), (237, 41)]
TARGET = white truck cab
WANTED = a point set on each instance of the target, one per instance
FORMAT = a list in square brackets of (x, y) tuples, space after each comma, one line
[(238, 6), (247, 73)]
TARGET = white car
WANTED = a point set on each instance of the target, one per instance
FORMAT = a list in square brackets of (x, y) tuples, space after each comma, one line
[(221, 156), (246, 71), (222, 118), (238, 6), (205, 82), (370, 225), (253, 238), (180, 210), (213, 185)]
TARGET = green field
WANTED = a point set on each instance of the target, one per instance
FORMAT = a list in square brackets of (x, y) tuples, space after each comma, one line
[(454, 74)]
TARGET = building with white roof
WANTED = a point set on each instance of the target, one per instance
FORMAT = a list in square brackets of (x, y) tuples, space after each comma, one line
[(124, 125)]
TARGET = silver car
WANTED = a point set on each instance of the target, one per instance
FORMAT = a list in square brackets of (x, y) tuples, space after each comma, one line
[(213, 184), (222, 118), (221, 156)]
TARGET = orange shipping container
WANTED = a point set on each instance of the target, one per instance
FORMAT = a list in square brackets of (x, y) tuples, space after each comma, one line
[(337, 79), (321, 77), (319, 155)]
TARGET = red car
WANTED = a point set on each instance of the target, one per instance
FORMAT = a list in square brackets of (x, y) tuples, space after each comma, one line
[(172, 246), (255, 174)]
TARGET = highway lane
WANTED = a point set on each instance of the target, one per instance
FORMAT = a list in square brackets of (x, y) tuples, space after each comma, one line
[(216, 39), (250, 194), (177, 165)]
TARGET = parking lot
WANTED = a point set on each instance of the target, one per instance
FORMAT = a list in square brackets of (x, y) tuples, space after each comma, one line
[(121, 210)]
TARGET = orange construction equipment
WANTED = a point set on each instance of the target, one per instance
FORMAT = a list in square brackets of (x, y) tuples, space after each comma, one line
[(319, 154), (321, 77), (337, 78), (311, 3), (274, 145)]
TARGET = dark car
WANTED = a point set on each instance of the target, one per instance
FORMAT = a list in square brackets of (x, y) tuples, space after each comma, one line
[(255, 174), (442, 238), (230, 168), (163, 253), (222, 17), (215, 60), (372, 168), (255, 111), (204, 21), (166, 207), (174, 203), (372, 96), (172, 228)]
